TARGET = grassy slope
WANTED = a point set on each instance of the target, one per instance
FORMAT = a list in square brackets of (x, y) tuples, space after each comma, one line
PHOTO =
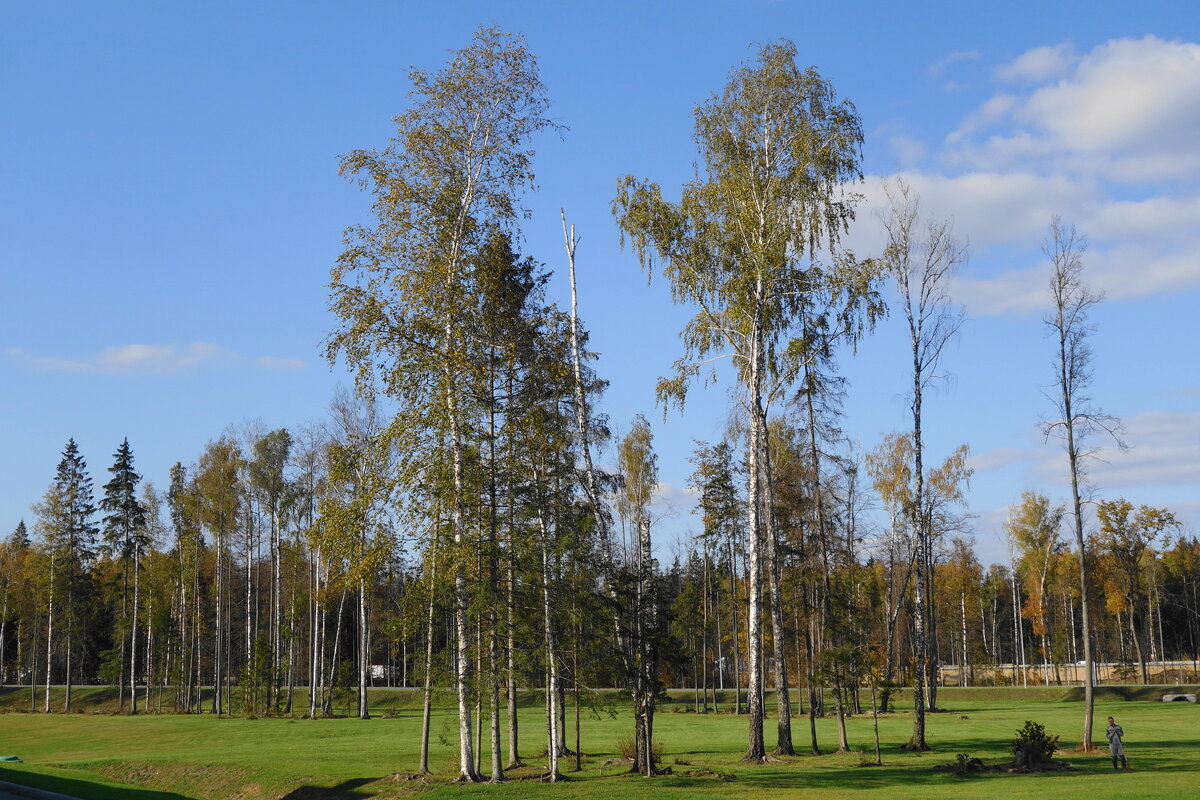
[(202, 757)]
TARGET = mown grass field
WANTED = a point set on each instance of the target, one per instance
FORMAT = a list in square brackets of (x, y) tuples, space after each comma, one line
[(156, 757)]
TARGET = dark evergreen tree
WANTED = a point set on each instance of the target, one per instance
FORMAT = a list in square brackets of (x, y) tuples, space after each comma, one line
[(66, 519), (125, 540), (20, 535)]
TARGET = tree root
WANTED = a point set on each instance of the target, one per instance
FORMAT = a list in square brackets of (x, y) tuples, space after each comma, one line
[(766, 759)]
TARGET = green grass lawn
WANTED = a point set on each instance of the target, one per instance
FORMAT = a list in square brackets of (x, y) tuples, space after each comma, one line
[(154, 757)]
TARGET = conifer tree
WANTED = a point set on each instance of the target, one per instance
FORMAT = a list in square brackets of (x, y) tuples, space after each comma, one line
[(68, 530), (125, 537), (13, 554)]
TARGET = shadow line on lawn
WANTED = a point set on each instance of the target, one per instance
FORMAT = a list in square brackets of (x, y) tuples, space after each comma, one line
[(343, 791), (73, 787)]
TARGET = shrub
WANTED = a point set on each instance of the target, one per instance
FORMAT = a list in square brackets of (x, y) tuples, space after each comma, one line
[(627, 744), (1032, 746)]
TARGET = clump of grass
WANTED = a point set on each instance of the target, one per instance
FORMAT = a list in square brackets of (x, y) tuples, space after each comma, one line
[(627, 747)]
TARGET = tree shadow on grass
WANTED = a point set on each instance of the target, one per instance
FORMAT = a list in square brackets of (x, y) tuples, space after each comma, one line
[(86, 790), (343, 791)]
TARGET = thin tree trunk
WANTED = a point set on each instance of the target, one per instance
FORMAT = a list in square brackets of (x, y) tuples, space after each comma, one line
[(964, 679), (331, 673), (67, 671), (134, 632), (218, 633), (783, 699), (755, 749), (840, 709), (514, 755), (364, 650), (149, 656), (875, 724), (427, 702), (314, 620), (735, 640), (1065, 382), (552, 736), (49, 638)]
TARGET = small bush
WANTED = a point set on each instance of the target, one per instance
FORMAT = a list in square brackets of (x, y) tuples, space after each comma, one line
[(627, 745), (1032, 746)]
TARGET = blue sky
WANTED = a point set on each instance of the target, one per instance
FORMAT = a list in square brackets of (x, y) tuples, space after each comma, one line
[(170, 207)]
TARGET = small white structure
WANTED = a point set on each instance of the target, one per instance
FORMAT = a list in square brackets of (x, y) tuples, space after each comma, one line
[(1171, 698)]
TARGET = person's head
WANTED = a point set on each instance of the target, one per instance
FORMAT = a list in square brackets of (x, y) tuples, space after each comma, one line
[(1110, 719)]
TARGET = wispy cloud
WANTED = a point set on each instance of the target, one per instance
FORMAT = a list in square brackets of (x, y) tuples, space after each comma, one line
[(270, 362), (1002, 457), (149, 359), (1164, 450), (669, 498), (939, 66), (1040, 64)]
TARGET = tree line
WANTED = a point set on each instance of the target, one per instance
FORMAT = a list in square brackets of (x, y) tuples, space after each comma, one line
[(451, 524)]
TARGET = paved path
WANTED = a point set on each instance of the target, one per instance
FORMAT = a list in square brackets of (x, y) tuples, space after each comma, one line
[(15, 791)]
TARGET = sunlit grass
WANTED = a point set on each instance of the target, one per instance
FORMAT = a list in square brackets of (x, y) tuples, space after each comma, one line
[(169, 756)]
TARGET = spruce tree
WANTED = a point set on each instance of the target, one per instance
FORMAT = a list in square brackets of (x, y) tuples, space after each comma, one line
[(125, 538), (65, 520)]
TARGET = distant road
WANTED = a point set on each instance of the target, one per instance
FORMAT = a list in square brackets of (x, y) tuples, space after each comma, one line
[(14, 791)]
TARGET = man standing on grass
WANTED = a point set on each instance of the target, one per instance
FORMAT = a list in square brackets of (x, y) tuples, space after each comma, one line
[(1114, 732)]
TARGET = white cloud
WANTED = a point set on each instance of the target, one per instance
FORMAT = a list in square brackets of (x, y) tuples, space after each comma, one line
[(992, 111), (996, 459), (1138, 247), (1164, 450), (669, 498), (1039, 65), (1163, 456), (147, 359), (1128, 111), (988, 208)]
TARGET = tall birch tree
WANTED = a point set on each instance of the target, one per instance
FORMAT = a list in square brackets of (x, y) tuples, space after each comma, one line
[(450, 175), (777, 148), (639, 469)]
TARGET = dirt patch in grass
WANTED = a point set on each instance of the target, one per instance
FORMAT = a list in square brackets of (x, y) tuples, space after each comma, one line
[(206, 780)]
